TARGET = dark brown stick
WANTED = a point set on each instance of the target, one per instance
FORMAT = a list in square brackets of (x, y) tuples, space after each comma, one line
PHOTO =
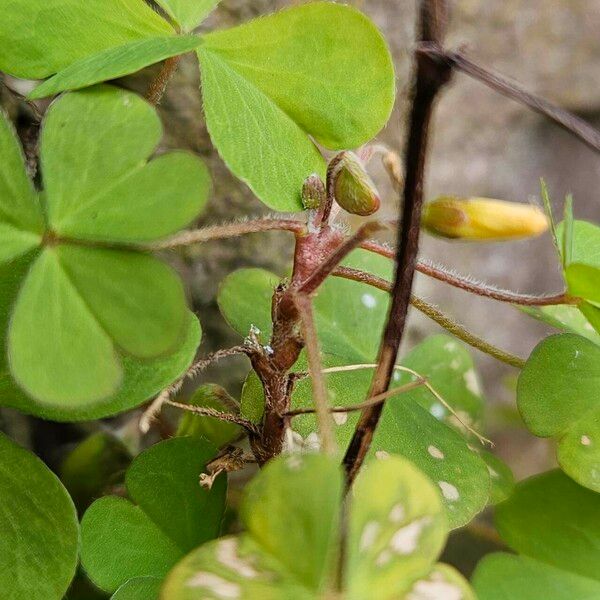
[(431, 75), (578, 127)]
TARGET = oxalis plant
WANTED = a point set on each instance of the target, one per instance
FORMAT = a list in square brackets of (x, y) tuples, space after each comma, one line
[(357, 466)]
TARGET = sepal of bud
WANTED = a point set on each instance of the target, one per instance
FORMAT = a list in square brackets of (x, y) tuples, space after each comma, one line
[(483, 219), (313, 192), (353, 189)]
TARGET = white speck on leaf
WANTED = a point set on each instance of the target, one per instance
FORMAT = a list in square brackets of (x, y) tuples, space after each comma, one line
[(227, 555), (450, 346), (585, 440), (455, 364), (312, 442), (369, 535), (340, 418), (397, 513), (383, 559), (437, 410), (435, 452), (216, 585), (471, 382), (369, 300), (434, 590), (406, 540), (450, 492), (382, 454)]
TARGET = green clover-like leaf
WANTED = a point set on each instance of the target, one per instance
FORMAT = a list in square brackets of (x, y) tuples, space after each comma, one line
[(39, 537), (82, 303), (270, 82), (169, 514), (41, 37), (270, 86), (291, 545), (553, 523), (559, 396)]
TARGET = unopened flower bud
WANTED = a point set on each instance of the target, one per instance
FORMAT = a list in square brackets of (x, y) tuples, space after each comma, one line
[(313, 192), (482, 219), (353, 189)]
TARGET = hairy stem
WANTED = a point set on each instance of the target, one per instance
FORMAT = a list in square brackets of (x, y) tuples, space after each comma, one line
[(205, 411), (158, 85), (229, 230), (485, 290), (431, 75), (435, 315)]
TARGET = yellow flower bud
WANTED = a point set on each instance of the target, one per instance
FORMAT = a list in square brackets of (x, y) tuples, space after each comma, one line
[(483, 219), (354, 190)]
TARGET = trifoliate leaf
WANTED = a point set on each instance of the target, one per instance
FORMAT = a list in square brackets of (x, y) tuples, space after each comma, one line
[(81, 301), (558, 396), (270, 83), (98, 183), (41, 37), (172, 515), (39, 537)]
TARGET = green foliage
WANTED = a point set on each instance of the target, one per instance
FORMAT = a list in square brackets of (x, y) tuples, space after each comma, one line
[(264, 93), (113, 63), (216, 431), (553, 523), (139, 588), (291, 512), (39, 537), (188, 13), (565, 317), (350, 318), (558, 396), (41, 37), (581, 257), (169, 514), (96, 463), (80, 307)]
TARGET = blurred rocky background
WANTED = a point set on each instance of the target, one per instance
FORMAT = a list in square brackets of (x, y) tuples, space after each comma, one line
[(484, 145)]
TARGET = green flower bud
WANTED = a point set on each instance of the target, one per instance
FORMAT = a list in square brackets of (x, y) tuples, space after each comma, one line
[(353, 189)]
